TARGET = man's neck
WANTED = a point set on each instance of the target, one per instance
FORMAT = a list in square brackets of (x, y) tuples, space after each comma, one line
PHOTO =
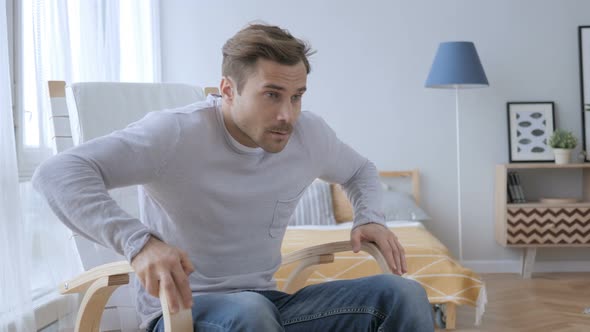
[(233, 129)]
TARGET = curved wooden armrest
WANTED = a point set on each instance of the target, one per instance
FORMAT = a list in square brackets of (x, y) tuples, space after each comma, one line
[(323, 254), (83, 281), (100, 282), (335, 247)]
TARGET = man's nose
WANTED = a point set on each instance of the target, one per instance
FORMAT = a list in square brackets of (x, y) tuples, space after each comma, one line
[(286, 113)]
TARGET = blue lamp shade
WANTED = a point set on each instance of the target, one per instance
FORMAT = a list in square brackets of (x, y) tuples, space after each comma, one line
[(456, 65)]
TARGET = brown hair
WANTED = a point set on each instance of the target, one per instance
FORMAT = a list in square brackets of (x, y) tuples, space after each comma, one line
[(256, 41)]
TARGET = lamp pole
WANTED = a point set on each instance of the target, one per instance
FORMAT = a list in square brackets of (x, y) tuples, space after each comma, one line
[(459, 214)]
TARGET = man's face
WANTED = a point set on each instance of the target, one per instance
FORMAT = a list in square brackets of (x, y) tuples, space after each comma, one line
[(264, 113)]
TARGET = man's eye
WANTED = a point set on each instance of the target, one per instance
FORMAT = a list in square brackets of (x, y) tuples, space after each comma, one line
[(272, 95), (296, 98)]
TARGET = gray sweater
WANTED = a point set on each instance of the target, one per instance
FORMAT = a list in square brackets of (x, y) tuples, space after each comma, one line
[(225, 204)]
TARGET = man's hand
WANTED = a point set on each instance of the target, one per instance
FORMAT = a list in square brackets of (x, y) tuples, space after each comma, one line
[(160, 265), (387, 242)]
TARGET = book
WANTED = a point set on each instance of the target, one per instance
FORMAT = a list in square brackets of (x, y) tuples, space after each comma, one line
[(515, 189), (512, 188), (519, 188)]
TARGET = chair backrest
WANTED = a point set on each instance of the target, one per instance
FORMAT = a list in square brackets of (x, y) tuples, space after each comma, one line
[(83, 111), (97, 109)]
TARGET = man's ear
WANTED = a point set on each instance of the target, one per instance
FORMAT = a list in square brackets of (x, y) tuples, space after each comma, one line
[(226, 89)]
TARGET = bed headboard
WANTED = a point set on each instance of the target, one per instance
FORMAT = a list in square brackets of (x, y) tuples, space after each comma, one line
[(414, 176)]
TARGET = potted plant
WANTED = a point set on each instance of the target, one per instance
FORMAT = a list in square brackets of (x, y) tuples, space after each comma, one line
[(562, 142)]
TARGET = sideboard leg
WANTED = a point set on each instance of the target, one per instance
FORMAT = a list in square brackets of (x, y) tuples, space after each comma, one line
[(528, 261)]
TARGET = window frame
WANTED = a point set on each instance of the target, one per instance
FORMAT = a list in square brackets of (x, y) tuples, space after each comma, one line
[(28, 157)]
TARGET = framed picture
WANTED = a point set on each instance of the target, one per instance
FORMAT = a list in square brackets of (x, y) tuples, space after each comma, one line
[(530, 124), (584, 47)]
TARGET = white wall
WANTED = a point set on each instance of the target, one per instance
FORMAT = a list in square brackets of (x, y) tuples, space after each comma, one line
[(368, 79)]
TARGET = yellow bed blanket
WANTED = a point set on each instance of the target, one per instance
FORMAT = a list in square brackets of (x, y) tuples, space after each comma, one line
[(429, 263)]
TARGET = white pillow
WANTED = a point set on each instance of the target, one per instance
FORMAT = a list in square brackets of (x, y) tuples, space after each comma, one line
[(401, 206), (315, 206)]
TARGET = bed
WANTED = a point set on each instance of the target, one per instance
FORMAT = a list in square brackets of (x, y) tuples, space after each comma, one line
[(430, 263)]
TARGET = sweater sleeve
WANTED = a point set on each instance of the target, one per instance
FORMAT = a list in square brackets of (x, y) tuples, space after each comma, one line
[(76, 182), (339, 163)]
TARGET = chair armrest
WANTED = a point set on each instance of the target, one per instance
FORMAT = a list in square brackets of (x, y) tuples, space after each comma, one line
[(323, 254), (100, 282), (83, 281), (335, 247)]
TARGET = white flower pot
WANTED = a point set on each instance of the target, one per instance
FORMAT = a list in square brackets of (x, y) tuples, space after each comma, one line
[(562, 156)]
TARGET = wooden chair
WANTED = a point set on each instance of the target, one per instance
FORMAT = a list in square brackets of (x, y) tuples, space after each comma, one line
[(75, 123)]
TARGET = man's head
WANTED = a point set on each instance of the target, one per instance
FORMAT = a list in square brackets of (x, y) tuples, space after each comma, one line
[(264, 77)]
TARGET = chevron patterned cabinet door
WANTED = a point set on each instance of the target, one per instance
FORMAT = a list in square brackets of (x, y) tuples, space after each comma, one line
[(548, 225)]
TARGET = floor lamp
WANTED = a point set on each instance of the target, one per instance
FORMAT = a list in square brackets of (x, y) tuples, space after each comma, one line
[(457, 66)]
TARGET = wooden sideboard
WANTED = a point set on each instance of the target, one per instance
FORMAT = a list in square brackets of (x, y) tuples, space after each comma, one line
[(534, 224)]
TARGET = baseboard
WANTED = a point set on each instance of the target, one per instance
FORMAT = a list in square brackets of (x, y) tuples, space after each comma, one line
[(514, 266)]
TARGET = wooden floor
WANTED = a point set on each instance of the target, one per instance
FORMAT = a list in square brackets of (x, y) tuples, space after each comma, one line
[(552, 302)]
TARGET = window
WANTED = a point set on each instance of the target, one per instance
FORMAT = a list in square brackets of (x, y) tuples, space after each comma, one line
[(75, 41), (29, 125), (64, 40)]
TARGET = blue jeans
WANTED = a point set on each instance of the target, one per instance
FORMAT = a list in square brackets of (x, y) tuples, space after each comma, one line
[(377, 303)]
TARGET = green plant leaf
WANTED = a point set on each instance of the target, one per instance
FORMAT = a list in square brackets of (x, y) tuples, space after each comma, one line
[(562, 139)]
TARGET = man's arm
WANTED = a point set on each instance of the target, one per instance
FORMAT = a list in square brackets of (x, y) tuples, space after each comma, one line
[(339, 163), (359, 177), (76, 183)]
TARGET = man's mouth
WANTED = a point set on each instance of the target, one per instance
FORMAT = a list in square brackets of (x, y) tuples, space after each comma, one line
[(280, 134)]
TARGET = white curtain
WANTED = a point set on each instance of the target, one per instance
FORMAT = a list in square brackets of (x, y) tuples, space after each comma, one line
[(54, 260), (74, 40), (16, 312), (93, 40), (52, 56)]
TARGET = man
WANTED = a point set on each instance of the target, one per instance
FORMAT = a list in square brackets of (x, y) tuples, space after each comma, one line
[(220, 180)]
